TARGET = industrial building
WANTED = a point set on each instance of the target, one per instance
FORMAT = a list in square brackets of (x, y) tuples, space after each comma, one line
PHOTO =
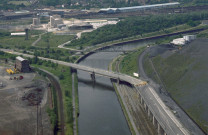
[(36, 21), (136, 8), (189, 38), (184, 40), (22, 65), (55, 20), (205, 22)]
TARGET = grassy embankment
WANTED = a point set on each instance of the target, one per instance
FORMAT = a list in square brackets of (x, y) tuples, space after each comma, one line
[(53, 40), (171, 70), (129, 63), (65, 78), (184, 77), (76, 100)]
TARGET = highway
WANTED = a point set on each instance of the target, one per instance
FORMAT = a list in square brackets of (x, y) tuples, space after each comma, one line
[(162, 113)]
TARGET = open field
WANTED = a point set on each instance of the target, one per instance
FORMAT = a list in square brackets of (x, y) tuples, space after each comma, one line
[(53, 40)]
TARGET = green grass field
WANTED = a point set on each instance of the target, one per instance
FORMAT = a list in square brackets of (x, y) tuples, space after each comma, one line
[(129, 63), (53, 40)]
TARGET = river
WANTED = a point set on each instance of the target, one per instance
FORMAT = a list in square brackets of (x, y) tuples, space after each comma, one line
[(100, 110)]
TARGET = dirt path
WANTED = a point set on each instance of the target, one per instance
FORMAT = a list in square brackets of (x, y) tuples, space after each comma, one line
[(36, 41)]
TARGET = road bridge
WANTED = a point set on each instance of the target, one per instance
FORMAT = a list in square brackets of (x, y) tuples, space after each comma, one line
[(161, 116)]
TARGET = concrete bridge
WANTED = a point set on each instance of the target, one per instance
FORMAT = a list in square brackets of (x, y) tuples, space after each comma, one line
[(161, 116)]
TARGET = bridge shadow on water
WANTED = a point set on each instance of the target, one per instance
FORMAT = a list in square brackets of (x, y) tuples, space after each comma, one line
[(99, 85)]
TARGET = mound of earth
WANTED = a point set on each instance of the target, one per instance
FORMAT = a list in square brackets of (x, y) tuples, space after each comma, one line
[(184, 74)]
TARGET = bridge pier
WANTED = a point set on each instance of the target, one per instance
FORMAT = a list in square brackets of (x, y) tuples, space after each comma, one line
[(145, 107), (118, 81), (73, 70), (92, 75), (158, 129), (153, 120), (148, 112)]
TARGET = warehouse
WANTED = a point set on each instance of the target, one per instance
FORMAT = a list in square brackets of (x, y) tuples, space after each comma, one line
[(136, 8), (22, 65)]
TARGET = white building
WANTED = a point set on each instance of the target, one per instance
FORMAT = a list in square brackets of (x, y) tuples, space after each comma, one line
[(184, 40), (189, 37), (18, 34), (137, 8), (205, 22), (179, 41)]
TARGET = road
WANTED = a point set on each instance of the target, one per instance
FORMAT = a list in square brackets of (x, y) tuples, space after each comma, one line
[(163, 114), (36, 41)]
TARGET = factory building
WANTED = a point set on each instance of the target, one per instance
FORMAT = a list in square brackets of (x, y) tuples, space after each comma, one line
[(22, 65), (55, 20), (184, 40), (189, 38), (136, 8), (36, 21), (205, 22)]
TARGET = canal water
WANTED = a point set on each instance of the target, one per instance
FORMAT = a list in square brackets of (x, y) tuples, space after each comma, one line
[(100, 110)]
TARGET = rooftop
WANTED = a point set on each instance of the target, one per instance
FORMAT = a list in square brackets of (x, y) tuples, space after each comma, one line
[(20, 58), (149, 6)]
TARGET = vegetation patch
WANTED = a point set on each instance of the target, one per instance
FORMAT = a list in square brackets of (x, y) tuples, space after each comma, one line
[(65, 78), (52, 40), (129, 63)]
